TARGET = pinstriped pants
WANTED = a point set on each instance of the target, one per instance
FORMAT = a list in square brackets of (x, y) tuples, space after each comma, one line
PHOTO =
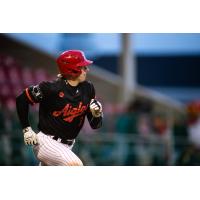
[(54, 153)]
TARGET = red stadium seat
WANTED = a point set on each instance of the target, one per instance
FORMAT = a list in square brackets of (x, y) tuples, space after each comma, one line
[(27, 77), (40, 75), (14, 76), (2, 75)]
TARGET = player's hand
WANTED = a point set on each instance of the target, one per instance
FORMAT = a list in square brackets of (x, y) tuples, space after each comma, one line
[(95, 108), (30, 137)]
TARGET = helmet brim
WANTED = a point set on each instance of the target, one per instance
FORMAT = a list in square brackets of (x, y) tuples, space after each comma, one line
[(85, 63)]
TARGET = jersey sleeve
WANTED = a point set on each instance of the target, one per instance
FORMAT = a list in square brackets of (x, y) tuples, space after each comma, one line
[(37, 93), (30, 95), (92, 91), (95, 122)]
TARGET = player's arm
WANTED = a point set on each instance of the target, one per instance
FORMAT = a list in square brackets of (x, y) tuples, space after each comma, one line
[(29, 96), (22, 106), (95, 114)]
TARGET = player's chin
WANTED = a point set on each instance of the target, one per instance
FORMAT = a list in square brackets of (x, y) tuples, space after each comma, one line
[(83, 79)]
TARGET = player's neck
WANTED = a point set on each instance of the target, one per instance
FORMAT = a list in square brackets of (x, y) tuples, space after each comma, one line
[(72, 82)]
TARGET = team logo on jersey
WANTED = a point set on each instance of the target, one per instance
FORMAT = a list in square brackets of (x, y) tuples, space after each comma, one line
[(69, 112), (61, 94)]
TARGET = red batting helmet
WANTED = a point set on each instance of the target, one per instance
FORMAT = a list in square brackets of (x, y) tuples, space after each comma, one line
[(70, 62)]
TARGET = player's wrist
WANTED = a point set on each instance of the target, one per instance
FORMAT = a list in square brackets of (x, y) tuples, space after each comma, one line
[(96, 108), (27, 129), (30, 137), (97, 114)]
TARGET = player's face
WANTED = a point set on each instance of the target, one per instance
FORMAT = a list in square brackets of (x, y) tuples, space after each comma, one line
[(83, 74)]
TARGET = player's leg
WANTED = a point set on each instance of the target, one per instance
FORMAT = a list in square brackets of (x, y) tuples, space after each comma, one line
[(54, 153), (57, 154), (37, 149)]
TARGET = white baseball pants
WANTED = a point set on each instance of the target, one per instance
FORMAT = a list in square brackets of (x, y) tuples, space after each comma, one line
[(54, 153)]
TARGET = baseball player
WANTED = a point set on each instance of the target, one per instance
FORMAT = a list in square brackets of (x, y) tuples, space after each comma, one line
[(63, 105)]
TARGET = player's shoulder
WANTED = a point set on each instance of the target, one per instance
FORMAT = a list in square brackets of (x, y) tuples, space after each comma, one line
[(87, 84), (89, 88), (51, 85)]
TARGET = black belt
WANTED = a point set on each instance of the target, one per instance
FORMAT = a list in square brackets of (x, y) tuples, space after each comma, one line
[(66, 141)]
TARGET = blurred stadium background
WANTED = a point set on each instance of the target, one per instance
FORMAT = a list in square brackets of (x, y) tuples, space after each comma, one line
[(148, 84)]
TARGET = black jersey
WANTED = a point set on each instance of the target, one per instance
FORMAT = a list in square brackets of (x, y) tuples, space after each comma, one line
[(62, 107)]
